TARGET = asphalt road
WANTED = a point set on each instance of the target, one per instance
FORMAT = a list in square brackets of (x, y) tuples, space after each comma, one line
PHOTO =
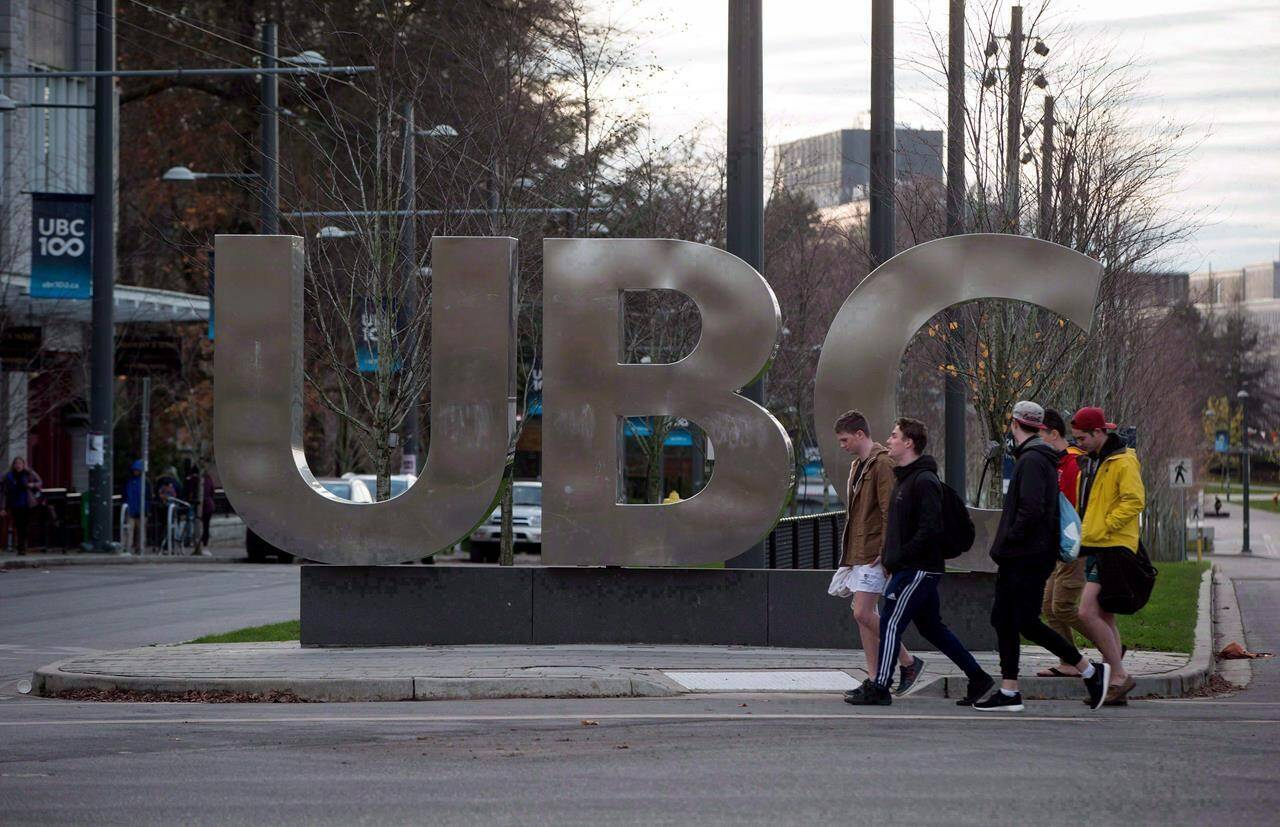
[(55, 613), (695, 759)]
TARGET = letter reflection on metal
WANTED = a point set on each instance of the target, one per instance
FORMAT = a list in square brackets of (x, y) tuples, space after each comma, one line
[(259, 411), (862, 354), (588, 392)]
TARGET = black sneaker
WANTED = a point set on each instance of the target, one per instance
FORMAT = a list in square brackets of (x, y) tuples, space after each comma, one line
[(869, 694), (977, 688), (908, 675), (1000, 702), (1097, 685)]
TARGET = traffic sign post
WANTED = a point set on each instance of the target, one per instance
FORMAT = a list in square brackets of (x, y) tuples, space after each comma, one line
[(1182, 476)]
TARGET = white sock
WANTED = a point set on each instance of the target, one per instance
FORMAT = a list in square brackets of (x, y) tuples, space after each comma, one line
[(1088, 671), (1008, 693)]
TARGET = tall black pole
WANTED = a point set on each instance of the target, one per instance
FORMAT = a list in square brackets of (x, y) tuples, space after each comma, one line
[(409, 251), (102, 344), (882, 136), (1245, 465), (744, 168), (1013, 137), (954, 397), (1046, 171), (270, 134)]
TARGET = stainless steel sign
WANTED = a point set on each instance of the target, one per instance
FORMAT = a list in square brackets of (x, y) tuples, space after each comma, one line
[(588, 392)]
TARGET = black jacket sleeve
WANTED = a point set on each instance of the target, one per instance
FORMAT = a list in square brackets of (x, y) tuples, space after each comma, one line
[(927, 491), (1033, 499)]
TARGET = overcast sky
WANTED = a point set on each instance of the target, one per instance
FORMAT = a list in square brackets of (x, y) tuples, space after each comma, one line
[(1211, 65)]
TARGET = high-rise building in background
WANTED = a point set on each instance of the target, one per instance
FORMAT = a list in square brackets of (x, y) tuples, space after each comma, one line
[(834, 168)]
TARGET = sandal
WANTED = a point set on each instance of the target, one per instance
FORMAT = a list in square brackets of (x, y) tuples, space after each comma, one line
[(1055, 672), (1117, 691)]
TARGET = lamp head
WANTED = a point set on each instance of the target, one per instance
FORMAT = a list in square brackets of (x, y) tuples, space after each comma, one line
[(178, 173)]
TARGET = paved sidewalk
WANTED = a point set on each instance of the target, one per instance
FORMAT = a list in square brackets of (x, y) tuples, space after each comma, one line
[(48, 559), (470, 672)]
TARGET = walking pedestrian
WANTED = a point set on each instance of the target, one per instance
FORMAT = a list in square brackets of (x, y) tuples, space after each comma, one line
[(202, 494), (1025, 549), (21, 495), (868, 493), (135, 490), (913, 556), (1061, 605), (167, 485), (1111, 498)]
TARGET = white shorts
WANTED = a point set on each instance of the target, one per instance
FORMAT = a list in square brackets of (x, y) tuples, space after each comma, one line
[(869, 579)]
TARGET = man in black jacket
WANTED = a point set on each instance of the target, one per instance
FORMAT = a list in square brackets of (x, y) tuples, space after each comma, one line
[(1026, 549), (913, 557)]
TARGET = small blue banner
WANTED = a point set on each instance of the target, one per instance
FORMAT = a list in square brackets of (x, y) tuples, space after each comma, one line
[(369, 324), (61, 240)]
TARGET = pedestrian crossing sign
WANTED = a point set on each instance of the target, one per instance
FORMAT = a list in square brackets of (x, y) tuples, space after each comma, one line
[(1180, 473)]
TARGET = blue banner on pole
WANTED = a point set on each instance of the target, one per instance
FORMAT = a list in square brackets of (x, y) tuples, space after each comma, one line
[(61, 241), (369, 326)]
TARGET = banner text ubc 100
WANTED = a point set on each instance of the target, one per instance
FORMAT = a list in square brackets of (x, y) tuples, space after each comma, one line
[(588, 392)]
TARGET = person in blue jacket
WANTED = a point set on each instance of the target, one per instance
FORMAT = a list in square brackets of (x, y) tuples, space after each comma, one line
[(134, 490)]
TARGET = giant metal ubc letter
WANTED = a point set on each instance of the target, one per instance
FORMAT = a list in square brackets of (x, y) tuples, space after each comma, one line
[(258, 409), (588, 392), (862, 354)]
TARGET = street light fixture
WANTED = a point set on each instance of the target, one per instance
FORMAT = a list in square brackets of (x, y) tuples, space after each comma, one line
[(308, 58), (178, 173), (442, 130), (183, 174)]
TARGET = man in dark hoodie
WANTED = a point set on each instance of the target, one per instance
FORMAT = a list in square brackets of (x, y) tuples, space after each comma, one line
[(1026, 549), (913, 557)]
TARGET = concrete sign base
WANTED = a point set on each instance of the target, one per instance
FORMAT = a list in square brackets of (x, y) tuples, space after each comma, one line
[(458, 605)]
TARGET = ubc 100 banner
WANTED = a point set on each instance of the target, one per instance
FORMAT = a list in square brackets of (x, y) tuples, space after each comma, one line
[(61, 235)]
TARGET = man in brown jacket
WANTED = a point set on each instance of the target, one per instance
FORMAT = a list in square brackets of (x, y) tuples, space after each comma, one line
[(870, 486)]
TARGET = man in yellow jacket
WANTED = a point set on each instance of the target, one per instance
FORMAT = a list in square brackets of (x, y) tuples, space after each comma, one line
[(1111, 498)]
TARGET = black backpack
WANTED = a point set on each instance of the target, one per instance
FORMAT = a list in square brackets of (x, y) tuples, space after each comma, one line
[(957, 526)]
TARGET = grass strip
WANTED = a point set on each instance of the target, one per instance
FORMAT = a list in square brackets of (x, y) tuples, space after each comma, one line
[(289, 630)]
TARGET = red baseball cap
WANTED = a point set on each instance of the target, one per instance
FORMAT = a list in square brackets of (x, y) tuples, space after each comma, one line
[(1091, 419)]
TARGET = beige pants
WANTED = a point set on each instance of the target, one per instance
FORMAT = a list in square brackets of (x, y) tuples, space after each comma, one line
[(1062, 592)]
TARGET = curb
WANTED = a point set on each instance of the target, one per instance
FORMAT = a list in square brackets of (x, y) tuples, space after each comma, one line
[(617, 683), (49, 681), (1229, 626), (82, 559), (1175, 684)]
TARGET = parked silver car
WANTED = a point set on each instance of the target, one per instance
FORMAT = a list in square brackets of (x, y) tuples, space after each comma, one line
[(526, 523), (258, 549)]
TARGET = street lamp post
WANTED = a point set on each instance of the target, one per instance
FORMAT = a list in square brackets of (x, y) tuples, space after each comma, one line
[(409, 242), (270, 134), (883, 167), (102, 341), (1245, 468), (954, 398), (1013, 138), (744, 169)]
